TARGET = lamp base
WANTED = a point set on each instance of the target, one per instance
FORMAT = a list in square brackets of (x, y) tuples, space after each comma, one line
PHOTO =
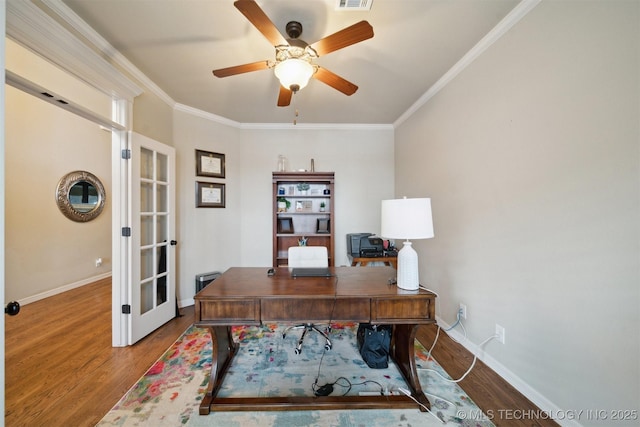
[(408, 268)]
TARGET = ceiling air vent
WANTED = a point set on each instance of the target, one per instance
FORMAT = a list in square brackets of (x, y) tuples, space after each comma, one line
[(353, 4)]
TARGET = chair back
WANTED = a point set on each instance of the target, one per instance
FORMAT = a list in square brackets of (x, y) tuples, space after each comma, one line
[(308, 256)]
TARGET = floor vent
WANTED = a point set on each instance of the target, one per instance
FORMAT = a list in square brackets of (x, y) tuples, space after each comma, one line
[(359, 5)]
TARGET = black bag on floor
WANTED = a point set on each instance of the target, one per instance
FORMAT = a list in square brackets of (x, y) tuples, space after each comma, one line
[(374, 342)]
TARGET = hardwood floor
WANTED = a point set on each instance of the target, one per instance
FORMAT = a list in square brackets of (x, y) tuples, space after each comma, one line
[(60, 368), (502, 403)]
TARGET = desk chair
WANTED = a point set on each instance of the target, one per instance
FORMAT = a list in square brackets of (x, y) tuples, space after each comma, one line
[(308, 256)]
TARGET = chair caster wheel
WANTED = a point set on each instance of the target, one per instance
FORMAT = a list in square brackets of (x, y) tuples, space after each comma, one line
[(327, 347), (284, 335), (297, 351)]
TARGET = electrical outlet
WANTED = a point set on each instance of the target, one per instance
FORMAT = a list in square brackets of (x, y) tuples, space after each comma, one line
[(500, 333), (463, 311), (98, 262)]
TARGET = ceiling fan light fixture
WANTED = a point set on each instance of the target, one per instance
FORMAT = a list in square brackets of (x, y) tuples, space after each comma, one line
[(294, 73)]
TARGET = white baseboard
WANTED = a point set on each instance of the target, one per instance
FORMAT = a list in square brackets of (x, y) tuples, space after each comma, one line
[(515, 381), (186, 302), (62, 289)]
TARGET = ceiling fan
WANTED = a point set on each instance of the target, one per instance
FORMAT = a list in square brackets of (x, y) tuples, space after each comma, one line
[(294, 60)]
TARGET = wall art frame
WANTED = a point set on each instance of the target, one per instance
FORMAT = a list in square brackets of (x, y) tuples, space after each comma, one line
[(210, 164), (210, 195)]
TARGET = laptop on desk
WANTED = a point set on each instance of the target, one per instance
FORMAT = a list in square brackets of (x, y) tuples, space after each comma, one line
[(311, 272)]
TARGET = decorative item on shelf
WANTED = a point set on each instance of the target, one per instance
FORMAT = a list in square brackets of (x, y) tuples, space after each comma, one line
[(283, 204), (282, 163), (304, 206), (302, 241), (407, 219), (323, 226), (322, 206), (326, 192), (285, 225), (280, 191), (303, 187), (313, 166)]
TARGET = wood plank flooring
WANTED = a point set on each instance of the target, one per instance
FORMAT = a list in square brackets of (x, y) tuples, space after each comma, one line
[(60, 368)]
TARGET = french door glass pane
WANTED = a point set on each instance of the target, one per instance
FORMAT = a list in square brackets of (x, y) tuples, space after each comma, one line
[(146, 230), (147, 268), (162, 191), (162, 167), (146, 297), (146, 163), (146, 197), (162, 221)]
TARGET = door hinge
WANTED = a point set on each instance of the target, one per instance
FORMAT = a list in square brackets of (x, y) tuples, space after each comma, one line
[(126, 309), (126, 231), (126, 154)]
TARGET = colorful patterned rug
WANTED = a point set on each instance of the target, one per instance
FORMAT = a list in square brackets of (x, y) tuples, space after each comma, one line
[(171, 390)]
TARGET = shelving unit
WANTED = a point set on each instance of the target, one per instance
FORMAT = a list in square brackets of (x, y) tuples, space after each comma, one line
[(304, 218)]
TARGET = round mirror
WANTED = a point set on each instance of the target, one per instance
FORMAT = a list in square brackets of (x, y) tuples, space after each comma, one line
[(80, 196)]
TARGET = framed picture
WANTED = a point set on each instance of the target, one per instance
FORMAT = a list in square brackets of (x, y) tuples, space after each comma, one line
[(209, 195), (323, 226), (285, 225), (304, 206), (209, 164)]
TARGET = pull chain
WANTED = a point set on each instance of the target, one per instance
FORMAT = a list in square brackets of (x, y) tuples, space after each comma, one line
[(295, 109)]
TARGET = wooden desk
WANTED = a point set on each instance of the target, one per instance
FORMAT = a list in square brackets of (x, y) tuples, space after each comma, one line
[(248, 296), (391, 261)]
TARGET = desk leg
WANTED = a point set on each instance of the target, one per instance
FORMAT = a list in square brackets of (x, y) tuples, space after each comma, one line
[(404, 356), (223, 348)]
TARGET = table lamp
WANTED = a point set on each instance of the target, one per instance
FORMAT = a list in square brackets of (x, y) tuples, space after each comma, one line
[(407, 219)]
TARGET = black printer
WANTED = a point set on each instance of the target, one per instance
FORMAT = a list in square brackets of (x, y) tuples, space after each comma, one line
[(371, 247)]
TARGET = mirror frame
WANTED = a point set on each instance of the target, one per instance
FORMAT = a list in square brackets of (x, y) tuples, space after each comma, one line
[(62, 196)]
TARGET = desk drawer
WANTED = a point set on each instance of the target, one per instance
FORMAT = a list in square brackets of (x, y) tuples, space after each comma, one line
[(229, 312), (403, 310), (316, 309)]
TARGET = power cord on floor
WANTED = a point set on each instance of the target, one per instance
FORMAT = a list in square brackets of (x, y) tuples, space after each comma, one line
[(475, 357), (408, 393), (328, 388)]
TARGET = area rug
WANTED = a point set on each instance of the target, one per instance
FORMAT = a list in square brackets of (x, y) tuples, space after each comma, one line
[(170, 392)]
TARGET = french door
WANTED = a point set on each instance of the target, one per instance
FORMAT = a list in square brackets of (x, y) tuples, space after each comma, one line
[(152, 290)]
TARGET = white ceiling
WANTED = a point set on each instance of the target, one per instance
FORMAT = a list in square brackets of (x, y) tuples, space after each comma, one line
[(177, 44)]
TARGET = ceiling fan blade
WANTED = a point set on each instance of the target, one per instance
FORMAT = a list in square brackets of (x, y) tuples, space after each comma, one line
[(343, 38), (284, 98), (239, 69), (335, 81), (261, 21)]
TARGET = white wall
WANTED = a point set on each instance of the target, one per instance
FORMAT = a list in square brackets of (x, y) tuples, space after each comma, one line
[(241, 234), (531, 158)]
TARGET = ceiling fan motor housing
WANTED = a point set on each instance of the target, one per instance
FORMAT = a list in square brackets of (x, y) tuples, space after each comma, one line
[(294, 29)]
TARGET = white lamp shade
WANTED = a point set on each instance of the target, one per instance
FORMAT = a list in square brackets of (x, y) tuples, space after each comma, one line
[(294, 72), (406, 219)]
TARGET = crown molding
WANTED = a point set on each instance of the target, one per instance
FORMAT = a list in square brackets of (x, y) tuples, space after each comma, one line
[(104, 47), (279, 126), (31, 27), (512, 18), (318, 126), (207, 116)]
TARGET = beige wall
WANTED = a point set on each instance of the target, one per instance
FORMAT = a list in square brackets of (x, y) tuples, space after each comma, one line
[(44, 250), (531, 158), (241, 234), (153, 118)]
